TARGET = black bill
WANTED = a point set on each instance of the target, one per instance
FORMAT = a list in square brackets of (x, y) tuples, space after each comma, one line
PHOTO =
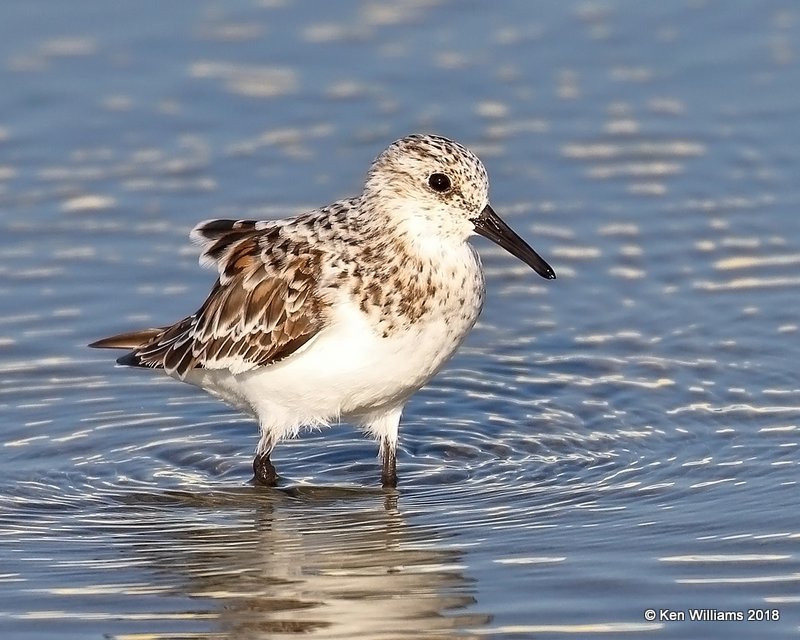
[(491, 226)]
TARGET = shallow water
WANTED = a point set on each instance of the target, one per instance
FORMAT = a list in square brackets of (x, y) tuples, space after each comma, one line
[(623, 438)]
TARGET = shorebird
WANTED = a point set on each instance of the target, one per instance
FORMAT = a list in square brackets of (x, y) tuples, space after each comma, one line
[(343, 312)]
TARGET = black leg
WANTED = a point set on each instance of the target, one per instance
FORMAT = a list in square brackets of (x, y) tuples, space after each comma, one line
[(389, 470), (264, 471)]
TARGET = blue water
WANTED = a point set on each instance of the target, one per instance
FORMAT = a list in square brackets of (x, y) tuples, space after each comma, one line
[(623, 438)]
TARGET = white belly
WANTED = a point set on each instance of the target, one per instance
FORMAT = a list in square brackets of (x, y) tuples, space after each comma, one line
[(347, 370)]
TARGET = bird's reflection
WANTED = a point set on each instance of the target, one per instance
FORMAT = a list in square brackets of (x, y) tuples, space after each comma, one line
[(321, 562)]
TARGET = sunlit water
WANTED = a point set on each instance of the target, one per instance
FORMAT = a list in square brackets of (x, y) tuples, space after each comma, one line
[(623, 438)]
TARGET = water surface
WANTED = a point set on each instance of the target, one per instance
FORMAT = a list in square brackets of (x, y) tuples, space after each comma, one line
[(623, 438)]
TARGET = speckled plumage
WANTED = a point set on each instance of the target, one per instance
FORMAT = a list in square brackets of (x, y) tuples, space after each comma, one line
[(341, 313)]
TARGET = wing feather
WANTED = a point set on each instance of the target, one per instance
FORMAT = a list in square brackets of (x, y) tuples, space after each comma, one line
[(264, 306)]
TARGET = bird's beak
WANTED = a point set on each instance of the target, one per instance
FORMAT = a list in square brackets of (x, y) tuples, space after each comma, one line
[(491, 226)]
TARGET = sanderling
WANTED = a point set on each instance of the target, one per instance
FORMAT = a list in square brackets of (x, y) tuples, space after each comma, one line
[(341, 313)]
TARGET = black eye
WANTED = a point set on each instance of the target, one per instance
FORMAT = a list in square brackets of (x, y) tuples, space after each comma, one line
[(439, 182)]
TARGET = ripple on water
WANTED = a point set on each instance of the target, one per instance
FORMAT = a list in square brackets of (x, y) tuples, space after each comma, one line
[(623, 437)]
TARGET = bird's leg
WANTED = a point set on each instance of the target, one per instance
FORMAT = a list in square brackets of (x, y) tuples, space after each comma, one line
[(264, 473), (382, 425), (385, 427), (389, 459)]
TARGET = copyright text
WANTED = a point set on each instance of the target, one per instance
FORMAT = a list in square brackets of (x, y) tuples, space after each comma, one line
[(712, 615)]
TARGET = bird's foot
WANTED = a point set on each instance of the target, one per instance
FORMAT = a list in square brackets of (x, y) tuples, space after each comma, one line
[(389, 481), (264, 474)]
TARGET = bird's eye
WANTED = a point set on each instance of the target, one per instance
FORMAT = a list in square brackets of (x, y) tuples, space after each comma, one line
[(439, 182)]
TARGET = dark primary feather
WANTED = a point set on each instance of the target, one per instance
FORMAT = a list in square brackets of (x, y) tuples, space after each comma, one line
[(129, 340), (263, 307)]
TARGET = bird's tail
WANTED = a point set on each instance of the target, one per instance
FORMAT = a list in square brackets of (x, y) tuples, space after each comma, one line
[(133, 340), (130, 340)]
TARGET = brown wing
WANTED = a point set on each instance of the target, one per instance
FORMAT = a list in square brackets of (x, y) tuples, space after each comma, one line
[(263, 307)]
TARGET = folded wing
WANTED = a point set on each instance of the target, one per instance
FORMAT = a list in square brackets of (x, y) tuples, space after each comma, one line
[(264, 306)]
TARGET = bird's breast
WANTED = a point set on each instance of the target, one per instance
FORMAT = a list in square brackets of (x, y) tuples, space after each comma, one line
[(406, 293)]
